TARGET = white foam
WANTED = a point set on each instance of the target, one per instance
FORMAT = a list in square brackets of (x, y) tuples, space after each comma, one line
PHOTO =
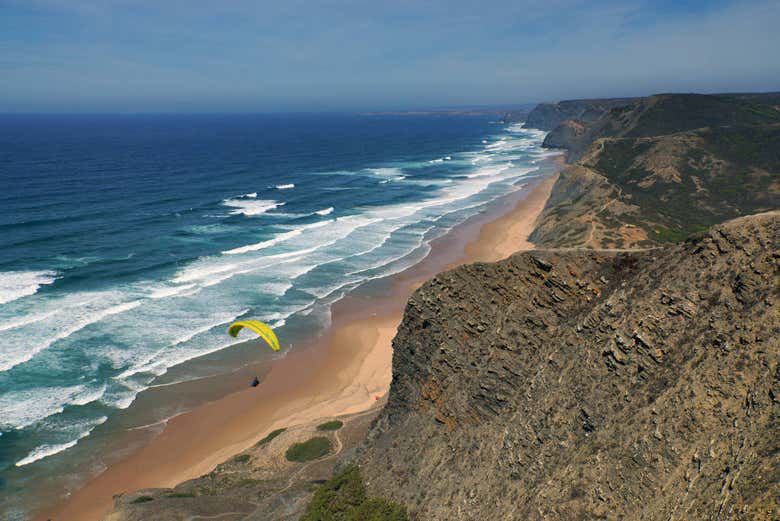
[(24, 321), (326, 211), (17, 284), (158, 365), (264, 244), (26, 407), (489, 171), (285, 187), (44, 451), (213, 275), (282, 237), (170, 291), (24, 353), (196, 272), (386, 171), (252, 207), (397, 178), (389, 260), (440, 160), (88, 396)]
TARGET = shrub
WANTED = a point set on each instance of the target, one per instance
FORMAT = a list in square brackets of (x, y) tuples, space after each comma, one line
[(271, 435), (378, 509), (181, 494), (343, 498), (142, 499), (308, 450), (333, 425)]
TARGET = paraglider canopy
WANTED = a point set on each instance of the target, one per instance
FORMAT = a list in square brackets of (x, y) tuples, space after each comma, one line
[(261, 328)]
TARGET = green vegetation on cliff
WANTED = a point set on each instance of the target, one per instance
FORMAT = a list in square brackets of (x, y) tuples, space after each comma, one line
[(308, 450), (343, 498), (271, 435), (665, 167), (333, 425)]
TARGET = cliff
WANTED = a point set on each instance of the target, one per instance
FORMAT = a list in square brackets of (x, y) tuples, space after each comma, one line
[(591, 385), (662, 114), (547, 116), (628, 370), (662, 168)]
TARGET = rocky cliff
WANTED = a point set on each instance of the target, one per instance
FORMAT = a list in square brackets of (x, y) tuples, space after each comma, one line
[(547, 116), (659, 115), (661, 168), (633, 371), (591, 385), (630, 370)]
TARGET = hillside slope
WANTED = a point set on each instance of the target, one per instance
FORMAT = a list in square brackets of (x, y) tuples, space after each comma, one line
[(661, 168), (591, 385)]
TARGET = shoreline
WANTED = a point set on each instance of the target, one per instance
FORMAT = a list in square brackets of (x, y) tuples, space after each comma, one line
[(345, 370)]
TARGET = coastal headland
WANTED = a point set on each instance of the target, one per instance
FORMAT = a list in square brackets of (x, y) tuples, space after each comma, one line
[(628, 366)]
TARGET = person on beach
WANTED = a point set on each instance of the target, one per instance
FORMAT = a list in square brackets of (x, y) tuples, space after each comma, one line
[(255, 382)]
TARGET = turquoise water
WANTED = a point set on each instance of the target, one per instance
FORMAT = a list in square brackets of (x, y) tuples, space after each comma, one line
[(129, 243)]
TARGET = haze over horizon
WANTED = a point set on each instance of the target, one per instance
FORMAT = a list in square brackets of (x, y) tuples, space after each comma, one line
[(118, 56)]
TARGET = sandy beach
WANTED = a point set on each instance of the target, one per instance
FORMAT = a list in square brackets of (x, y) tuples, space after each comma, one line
[(345, 370)]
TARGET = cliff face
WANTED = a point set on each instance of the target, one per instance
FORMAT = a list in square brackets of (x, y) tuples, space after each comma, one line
[(547, 116), (582, 385), (661, 168), (659, 115)]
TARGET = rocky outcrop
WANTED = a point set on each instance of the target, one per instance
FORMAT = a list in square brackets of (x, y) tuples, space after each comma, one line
[(591, 385)]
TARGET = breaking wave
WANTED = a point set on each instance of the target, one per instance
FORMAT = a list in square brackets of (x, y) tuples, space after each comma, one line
[(17, 284)]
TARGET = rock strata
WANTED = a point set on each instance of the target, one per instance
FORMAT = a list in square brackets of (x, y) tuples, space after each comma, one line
[(591, 385)]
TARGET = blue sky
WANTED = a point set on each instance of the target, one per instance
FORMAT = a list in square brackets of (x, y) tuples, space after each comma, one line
[(203, 56)]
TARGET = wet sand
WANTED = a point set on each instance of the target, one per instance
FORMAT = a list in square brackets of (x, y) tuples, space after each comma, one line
[(345, 370)]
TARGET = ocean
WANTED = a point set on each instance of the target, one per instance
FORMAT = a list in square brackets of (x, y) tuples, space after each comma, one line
[(128, 244)]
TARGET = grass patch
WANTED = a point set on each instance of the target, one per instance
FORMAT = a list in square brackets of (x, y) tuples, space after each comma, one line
[(308, 450), (181, 494), (142, 499), (343, 498), (330, 426), (242, 458), (271, 435), (667, 235)]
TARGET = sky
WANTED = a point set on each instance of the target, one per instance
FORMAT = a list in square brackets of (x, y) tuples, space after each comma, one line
[(334, 55)]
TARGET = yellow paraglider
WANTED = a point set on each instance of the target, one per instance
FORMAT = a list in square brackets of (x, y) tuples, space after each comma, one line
[(262, 329)]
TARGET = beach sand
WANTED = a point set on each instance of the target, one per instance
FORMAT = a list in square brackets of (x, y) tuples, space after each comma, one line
[(345, 370)]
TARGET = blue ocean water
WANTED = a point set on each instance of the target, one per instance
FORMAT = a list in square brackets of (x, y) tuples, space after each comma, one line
[(129, 243)]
